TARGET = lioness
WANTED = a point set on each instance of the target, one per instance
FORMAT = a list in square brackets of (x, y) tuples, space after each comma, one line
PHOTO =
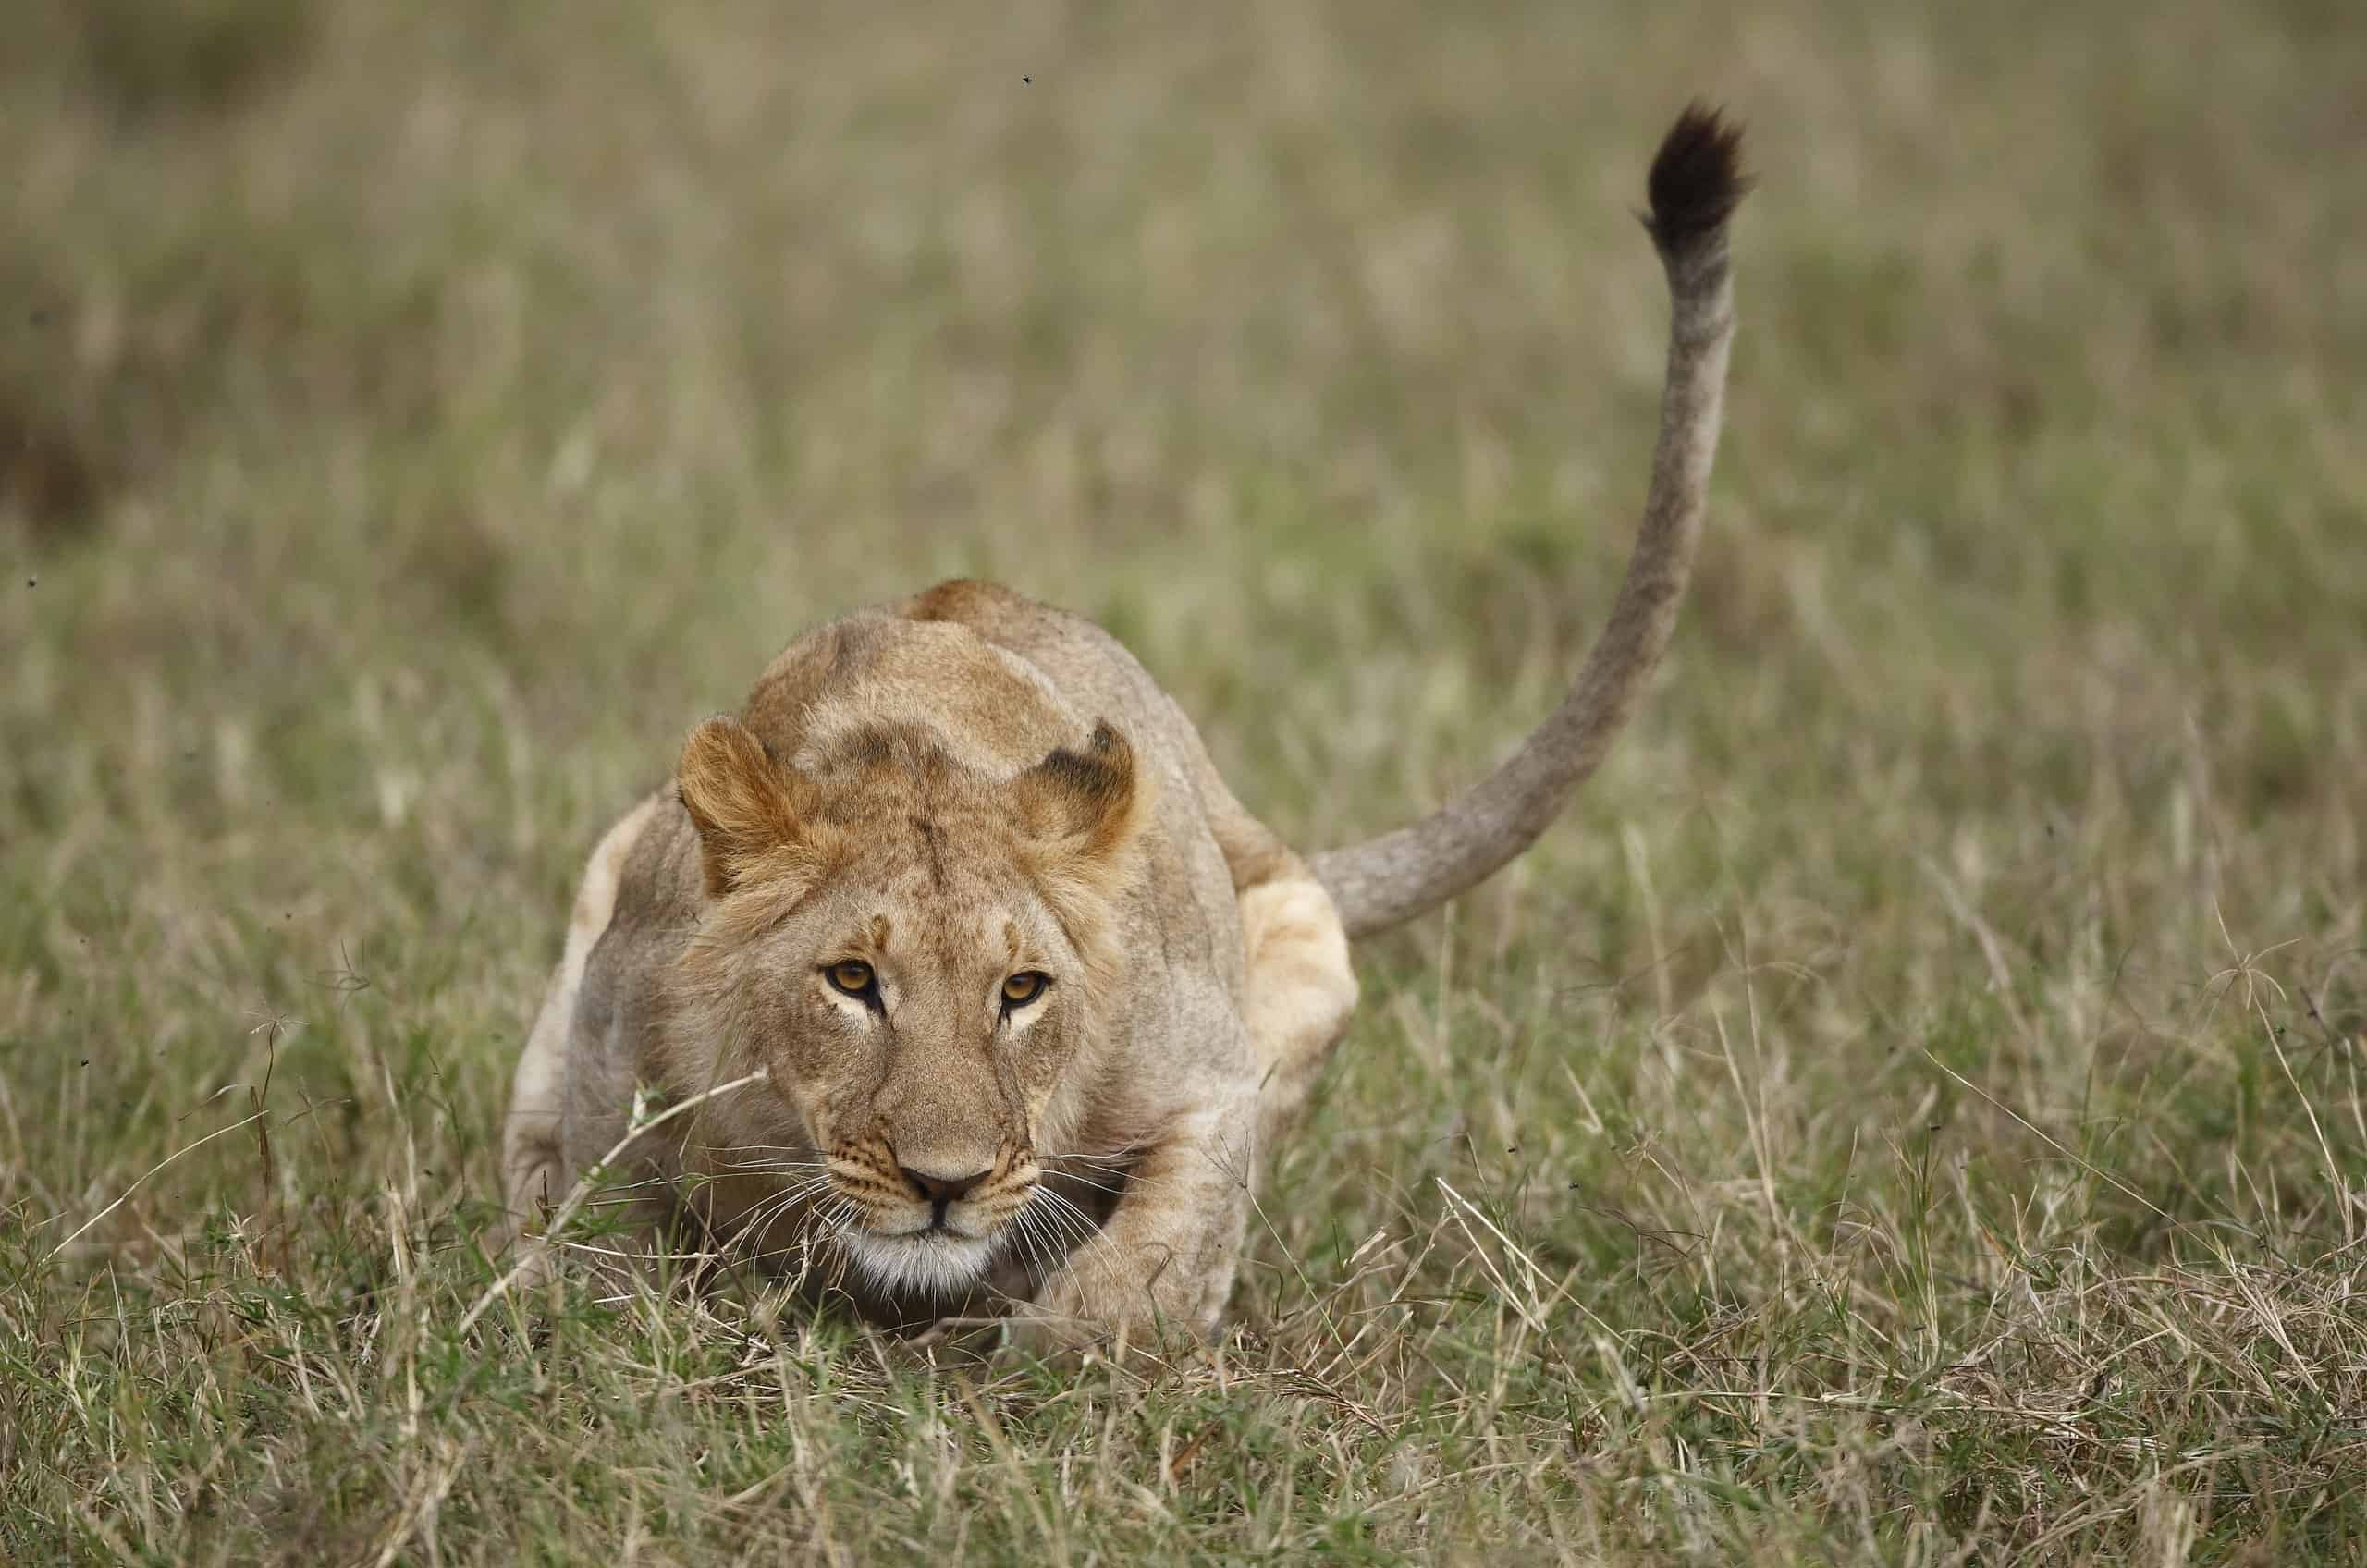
[(1021, 991)]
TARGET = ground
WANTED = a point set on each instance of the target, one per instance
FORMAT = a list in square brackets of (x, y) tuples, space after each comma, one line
[(1908, 1109)]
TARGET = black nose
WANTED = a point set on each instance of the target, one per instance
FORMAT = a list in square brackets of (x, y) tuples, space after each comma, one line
[(942, 1190)]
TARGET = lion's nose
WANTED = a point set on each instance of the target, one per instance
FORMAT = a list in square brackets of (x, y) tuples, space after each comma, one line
[(942, 1190)]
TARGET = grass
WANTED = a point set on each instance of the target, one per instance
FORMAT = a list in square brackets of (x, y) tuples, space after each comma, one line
[(1909, 1110)]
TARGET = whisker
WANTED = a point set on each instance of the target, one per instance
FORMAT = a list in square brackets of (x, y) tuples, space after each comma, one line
[(801, 1172), (1065, 1226), (1134, 1181), (773, 1207), (1061, 1206), (1084, 1181), (1123, 1151), (1085, 1254), (1020, 1237), (1051, 1245), (767, 1211)]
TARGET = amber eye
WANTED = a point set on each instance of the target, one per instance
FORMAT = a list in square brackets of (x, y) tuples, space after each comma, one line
[(1023, 989), (854, 976)]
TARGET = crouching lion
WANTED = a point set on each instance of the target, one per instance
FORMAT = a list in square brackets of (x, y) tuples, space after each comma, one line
[(976, 989)]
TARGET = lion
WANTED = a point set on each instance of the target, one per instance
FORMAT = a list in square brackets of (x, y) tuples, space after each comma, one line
[(972, 991)]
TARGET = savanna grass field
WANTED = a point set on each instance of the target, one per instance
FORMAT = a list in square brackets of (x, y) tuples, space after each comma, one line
[(1907, 1110)]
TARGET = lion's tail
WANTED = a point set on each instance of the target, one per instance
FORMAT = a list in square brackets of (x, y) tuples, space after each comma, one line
[(1696, 182)]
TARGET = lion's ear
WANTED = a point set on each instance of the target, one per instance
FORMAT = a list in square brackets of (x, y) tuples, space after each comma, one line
[(1087, 803), (746, 806)]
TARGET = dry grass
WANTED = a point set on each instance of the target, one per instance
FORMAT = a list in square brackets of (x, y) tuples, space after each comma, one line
[(1908, 1112)]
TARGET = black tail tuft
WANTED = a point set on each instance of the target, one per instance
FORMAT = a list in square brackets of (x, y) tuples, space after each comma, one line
[(1696, 180)]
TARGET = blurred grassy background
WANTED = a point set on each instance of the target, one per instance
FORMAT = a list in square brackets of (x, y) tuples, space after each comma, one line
[(1924, 1061)]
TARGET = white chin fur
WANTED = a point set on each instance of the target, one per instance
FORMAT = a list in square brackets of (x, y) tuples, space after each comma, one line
[(932, 1265)]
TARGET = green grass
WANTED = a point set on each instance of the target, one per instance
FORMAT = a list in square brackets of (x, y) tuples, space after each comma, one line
[(1909, 1110)]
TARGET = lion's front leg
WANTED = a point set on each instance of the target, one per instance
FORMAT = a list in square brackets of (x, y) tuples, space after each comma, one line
[(1165, 1261), (535, 1171), (1168, 1255)]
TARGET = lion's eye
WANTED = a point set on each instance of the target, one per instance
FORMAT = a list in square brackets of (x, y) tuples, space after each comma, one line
[(854, 976), (1025, 988)]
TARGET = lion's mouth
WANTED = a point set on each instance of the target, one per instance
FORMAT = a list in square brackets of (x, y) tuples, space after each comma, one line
[(929, 1231), (934, 1259)]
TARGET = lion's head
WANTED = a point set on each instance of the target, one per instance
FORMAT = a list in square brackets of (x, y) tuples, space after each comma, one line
[(919, 951)]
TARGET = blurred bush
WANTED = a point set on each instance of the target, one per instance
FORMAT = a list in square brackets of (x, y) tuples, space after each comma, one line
[(88, 400), (155, 57)]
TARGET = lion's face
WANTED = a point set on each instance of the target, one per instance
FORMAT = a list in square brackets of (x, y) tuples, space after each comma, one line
[(914, 950), (919, 1011)]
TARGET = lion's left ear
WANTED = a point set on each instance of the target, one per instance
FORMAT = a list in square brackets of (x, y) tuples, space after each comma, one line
[(1089, 803)]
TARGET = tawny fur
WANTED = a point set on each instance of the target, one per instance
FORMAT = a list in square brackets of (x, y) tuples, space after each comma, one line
[(955, 798)]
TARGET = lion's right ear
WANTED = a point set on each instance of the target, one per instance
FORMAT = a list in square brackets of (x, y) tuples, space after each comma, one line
[(1089, 802), (746, 807)]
